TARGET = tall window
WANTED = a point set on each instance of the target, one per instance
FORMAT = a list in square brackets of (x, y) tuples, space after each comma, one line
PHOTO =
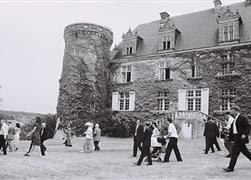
[(124, 101), (126, 73), (193, 100), (164, 71), (193, 69), (163, 101), (228, 33), (228, 98), (128, 49), (228, 66), (165, 45)]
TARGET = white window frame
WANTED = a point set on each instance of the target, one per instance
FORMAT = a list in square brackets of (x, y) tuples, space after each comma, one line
[(162, 71), (194, 99), (228, 101), (124, 101), (125, 71), (163, 101)]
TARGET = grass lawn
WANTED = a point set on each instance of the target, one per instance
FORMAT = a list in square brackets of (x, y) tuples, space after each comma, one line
[(115, 161)]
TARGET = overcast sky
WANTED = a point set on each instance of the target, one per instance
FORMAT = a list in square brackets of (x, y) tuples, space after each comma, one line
[(32, 44)]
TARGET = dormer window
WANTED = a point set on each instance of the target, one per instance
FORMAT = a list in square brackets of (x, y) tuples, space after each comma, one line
[(229, 25), (167, 33), (131, 42)]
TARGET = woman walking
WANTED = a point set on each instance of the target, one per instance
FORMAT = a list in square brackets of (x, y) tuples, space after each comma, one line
[(17, 136), (36, 136)]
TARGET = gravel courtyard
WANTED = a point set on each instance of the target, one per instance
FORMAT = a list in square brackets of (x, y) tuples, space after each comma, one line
[(115, 161)]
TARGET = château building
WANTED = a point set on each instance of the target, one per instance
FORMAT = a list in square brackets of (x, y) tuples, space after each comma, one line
[(189, 67), (197, 62)]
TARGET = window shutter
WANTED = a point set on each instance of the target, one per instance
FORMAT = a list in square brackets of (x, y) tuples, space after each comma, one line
[(182, 100), (115, 101), (132, 101), (205, 100)]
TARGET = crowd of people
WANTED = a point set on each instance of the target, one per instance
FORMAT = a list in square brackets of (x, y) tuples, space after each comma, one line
[(10, 135), (147, 138), (234, 132)]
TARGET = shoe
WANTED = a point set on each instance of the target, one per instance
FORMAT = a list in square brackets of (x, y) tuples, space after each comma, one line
[(179, 160), (205, 153), (134, 156), (43, 154), (228, 170), (165, 161), (137, 164), (26, 154), (149, 164), (228, 156), (159, 159)]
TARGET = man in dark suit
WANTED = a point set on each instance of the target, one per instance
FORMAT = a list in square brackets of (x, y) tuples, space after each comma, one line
[(210, 133), (239, 133), (146, 145), (44, 136), (138, 136)]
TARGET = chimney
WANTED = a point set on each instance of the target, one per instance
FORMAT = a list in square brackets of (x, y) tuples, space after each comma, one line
[(217, 6), (164, 16)]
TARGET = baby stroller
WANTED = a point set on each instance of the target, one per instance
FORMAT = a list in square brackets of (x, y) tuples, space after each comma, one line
[(156, 152)]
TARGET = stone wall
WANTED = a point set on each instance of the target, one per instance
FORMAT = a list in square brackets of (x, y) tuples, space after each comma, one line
[(84, 93)]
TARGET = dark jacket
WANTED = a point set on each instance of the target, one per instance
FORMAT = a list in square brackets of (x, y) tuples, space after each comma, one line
[(242, 127), (211, 129), (139, 134), (147, 137)]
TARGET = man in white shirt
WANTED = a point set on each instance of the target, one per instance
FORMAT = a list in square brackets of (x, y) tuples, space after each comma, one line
[(172, 145), (227, 142), (3, 135)]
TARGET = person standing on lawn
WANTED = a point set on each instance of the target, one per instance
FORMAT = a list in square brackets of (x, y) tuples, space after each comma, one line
[(3, 135), (146, 145), (172, 144), (137, 139), (44, 136), (96, 137), (210, 133), (239, 132)]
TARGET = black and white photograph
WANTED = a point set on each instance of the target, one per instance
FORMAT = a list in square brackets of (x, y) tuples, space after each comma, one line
[(125, 89)]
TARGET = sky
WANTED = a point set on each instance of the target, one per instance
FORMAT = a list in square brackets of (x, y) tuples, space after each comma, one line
[(32, 44)]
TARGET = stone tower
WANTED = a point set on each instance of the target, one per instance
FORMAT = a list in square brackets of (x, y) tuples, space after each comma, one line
[(83, 92)]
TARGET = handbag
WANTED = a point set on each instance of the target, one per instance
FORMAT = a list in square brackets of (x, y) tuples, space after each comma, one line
[(161, 140)]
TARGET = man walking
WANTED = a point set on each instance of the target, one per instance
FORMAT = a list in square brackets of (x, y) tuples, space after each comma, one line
[(239, 133), (146, 145), (138, 136), (210, 133), (172, 145)]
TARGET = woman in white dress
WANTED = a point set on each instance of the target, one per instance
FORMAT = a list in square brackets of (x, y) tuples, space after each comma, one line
[(17, 136), (154, 143)]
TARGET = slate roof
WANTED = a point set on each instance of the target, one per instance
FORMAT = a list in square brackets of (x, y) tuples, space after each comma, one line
[(198, 30)]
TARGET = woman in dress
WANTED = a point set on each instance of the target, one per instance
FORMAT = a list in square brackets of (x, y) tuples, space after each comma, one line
[(88, 137), (154, 143), (17, 136), (36, 136), (68, 132)]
